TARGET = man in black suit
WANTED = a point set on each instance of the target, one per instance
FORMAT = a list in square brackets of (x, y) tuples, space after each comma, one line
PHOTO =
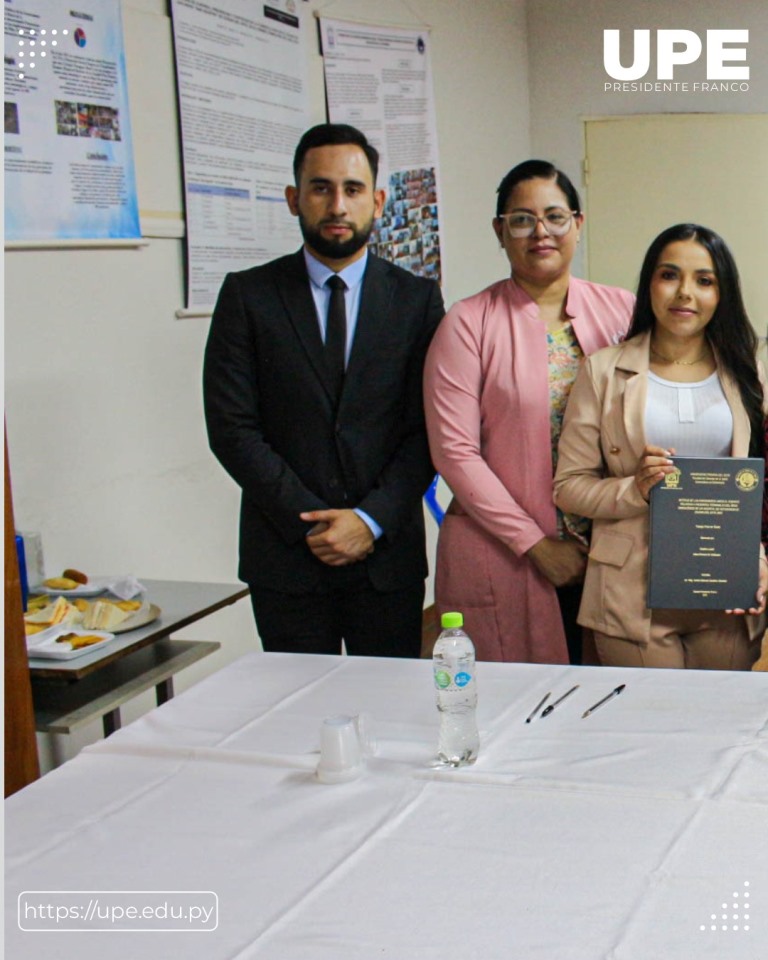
[(313, 403)]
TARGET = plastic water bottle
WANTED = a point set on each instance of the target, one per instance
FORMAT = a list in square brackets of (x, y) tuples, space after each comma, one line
[(453, 660)]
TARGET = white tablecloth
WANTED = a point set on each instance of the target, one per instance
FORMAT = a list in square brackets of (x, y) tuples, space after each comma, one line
[(621, 836)]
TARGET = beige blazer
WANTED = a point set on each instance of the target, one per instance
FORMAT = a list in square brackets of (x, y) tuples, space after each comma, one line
[(601, 444)]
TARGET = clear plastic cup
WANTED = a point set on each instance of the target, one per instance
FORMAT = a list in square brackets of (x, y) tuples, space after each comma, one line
[(341, 758)]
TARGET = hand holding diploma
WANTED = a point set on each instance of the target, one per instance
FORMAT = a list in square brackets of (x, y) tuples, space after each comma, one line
[(653, 467), (762, 590)]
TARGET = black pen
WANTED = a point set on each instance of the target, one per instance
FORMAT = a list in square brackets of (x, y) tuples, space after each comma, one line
[(538, 706), (611, 695), (552, 706)]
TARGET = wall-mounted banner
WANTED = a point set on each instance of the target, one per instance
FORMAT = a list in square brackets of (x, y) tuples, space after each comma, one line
[(69, 172), (379, 79), (241, 70)]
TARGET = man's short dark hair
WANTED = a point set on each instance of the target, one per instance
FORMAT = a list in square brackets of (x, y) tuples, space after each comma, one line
[(334, 134)]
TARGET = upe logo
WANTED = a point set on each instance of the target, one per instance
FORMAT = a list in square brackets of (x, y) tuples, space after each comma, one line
[(677, 48)]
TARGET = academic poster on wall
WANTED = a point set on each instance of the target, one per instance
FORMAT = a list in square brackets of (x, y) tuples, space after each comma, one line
[(379, 79), (242, 82), (69, 171)]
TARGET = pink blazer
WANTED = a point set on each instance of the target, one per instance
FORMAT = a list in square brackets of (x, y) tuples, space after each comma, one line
[(601, 445), (488, 418)]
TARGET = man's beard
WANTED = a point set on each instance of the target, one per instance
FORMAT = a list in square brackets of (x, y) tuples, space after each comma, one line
[(333, 248)]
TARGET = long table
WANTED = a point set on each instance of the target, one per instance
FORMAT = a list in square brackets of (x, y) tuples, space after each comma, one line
[(636, 833)]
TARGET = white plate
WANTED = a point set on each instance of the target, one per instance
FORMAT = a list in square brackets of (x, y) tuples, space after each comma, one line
[(44, 644), (90, 589), (147, 613)]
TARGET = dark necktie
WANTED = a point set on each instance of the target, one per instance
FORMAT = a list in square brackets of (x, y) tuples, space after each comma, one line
[(336, 333)]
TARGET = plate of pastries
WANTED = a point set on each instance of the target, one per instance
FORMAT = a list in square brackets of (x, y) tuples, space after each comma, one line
[(64, 643), (73, 583), (52, 614)]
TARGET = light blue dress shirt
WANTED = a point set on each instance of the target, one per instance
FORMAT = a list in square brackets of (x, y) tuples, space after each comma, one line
[(321, 294)]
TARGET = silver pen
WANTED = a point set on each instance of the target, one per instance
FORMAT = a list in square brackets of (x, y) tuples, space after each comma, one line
[(538, 706), (552, 706), (611, 695)]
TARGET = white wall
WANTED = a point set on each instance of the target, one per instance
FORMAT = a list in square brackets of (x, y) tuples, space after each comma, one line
[(567, 76), (108, 453)]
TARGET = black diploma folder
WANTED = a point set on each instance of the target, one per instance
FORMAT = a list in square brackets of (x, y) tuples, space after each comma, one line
[(705, 534)]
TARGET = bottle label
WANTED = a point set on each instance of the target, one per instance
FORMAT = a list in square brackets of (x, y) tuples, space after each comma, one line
[(443, 679)]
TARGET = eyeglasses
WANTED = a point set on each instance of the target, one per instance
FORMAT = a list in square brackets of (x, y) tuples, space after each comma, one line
[(556, 222)]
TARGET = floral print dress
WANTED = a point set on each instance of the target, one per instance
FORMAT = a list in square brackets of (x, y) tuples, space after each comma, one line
[(565, 358)]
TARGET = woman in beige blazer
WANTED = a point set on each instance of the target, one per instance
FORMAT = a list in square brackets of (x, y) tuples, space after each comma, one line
[(686, 381)]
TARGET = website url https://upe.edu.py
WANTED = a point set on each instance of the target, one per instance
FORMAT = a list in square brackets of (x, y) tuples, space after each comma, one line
[(47, 911)]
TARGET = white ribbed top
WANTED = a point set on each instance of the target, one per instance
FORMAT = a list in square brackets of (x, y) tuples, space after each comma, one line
[(694, 418)]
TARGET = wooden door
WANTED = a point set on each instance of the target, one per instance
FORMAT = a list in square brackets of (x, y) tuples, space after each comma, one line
[(21, 761), (647, 172)]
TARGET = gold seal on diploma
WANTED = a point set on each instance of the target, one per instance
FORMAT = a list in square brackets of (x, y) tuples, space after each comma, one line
[(672, 479), (747, 480)]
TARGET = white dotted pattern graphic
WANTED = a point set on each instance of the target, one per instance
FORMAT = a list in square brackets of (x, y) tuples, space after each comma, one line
[(742, 916), (28, 49)]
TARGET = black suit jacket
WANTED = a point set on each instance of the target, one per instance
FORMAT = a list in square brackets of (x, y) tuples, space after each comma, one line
[(272, 423)]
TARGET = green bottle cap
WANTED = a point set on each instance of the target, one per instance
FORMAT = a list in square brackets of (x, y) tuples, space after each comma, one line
[(450, 621)]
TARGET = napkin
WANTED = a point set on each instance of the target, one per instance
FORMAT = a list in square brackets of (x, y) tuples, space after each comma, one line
[(125, 587)]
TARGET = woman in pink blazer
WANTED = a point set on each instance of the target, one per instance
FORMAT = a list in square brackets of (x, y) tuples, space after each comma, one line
[(497, 376), (686, 381)]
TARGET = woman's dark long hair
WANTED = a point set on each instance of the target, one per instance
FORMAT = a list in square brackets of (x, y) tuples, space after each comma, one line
[(729, 331)]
